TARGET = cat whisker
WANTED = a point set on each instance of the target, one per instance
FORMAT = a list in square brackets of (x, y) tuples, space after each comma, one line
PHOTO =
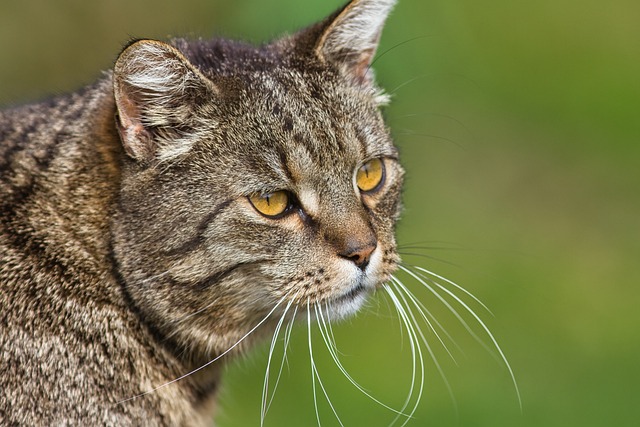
[(426, 315), (434, 78), (429, 113), (425, 282), (330, 327), (407, 132), (315, 369), (437, 323), (287, 337), (276, 333), (397, 45), (455, 285), (327, 335), (221, 355), (429, 247), (444, 243), (415, 349), (411, 80), (431, 257), (402, 289), (422, 278)]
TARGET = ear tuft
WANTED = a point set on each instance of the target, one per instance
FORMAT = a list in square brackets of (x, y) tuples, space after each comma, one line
[(351, 39), (156, 91)]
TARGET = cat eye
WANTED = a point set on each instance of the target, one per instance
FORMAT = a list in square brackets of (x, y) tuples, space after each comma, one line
[(271, 205), (370, 175)]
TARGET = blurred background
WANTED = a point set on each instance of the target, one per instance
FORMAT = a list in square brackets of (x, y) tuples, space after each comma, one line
[(518, 126)]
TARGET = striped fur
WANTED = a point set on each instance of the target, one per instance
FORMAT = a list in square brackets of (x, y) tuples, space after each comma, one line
[(129, 251)]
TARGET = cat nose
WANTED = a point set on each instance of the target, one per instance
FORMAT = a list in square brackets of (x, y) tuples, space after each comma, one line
[(359, 253)]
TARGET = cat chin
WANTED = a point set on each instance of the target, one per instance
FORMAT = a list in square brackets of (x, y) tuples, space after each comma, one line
[(349, 303), (347, 308)]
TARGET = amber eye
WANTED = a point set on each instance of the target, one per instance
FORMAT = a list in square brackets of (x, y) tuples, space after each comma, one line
[(271, 204), (370, 175)]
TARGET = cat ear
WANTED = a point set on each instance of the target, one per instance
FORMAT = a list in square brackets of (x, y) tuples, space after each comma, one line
[(157, 90), (351, 37)]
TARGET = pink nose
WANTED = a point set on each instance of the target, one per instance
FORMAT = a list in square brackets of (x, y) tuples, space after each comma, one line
[(359, 254)]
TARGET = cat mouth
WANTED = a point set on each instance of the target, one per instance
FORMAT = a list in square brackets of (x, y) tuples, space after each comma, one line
[(353, 293)]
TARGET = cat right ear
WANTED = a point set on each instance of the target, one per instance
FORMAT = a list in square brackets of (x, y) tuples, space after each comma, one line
[(157, 91), (350, 37)]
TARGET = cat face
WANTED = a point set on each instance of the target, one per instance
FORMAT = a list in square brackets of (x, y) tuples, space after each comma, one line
[(255, 177), (291, 164)]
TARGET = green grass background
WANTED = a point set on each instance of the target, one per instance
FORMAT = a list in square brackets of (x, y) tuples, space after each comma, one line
[(518, 126)]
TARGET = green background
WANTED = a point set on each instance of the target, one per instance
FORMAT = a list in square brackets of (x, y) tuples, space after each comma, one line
[(518, 126)]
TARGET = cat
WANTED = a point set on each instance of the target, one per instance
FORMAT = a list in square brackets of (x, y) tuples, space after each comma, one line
[(150, 221)]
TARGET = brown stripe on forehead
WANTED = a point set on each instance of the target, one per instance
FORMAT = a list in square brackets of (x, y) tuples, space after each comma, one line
[(305, 153), (307, 143), (321, 138), (317, 123), (284, 118), (295, 156), (284, 164), (305, 119), (287, 124), (283, 148)]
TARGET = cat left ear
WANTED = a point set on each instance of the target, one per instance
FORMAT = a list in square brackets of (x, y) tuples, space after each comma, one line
[(352, 35), (157, 91)]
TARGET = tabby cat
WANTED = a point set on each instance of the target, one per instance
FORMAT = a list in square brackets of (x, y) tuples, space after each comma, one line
[(150, 221)]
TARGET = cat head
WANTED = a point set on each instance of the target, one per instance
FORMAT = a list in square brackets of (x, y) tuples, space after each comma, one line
[(254, 177)]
